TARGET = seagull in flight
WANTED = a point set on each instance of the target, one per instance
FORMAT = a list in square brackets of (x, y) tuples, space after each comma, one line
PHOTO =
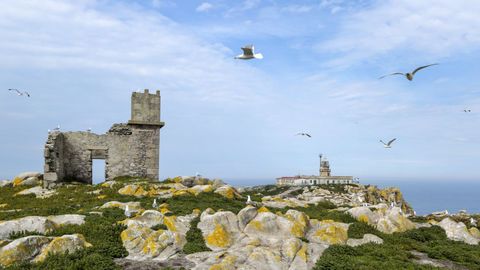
[(304, 134), (389, 144), (249, 53), (408, 75)]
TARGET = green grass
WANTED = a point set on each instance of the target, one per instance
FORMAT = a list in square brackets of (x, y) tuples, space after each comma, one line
[(394, 252), (195, 242)]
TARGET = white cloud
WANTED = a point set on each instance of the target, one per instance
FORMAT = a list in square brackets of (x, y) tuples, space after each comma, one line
[(131, 42), (203, 7), (431, 28)]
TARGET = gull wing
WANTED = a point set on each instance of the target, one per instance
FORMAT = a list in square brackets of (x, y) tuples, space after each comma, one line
[(396, 73), (248, 50), (383, 142), (422, 67), (308, 135), (391, 141)]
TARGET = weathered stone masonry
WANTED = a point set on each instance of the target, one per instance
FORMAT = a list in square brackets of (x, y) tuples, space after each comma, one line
[(128, 149)]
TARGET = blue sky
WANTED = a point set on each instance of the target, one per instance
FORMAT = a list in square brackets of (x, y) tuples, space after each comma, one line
[(232, 119)]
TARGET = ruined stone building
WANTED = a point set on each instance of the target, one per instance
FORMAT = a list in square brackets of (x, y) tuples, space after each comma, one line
[(131, 149)]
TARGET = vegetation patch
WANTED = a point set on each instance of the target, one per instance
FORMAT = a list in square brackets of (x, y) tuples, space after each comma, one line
[(394, 253), (195, 242)]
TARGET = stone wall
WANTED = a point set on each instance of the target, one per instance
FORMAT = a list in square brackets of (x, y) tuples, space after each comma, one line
[(131, 149)]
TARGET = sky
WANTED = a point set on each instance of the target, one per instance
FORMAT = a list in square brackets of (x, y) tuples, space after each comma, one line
[(233, 119)]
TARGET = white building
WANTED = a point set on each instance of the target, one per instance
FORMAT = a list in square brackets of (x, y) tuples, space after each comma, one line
[(324, 177)]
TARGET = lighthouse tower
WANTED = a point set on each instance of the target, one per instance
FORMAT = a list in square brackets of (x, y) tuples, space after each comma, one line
[(324, 166)]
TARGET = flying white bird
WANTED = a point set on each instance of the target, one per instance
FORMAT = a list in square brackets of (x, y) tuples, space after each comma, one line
[(304, 134), (127, 212), (154, 204), (249, 53), (389, 144), (19, 92), (408, 75)]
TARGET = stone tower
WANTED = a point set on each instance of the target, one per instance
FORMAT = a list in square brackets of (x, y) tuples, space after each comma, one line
[(324, 167), (131, 149)]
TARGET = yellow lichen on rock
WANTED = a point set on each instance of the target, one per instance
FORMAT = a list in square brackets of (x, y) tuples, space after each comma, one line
[(101, 196), (226, 264), (363, 218), (3, 205), (302, 252), (219, 237), (331, 233), (263, 209), (60, 245), (474, 232), (256, 224), (180, 192), (170, 221), (133, 190), (17, 181)]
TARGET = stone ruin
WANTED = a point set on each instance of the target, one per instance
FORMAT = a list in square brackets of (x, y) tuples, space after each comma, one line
[(131, 149)]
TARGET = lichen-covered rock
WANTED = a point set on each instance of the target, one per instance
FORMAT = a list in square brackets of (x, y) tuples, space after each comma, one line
[(22, 250), (327, 232), (220, 230), (228, 192), (245, 216), (4, 183), (63, 244), (37, 224), (367, 238), (385, 219), (133, 190), (457, 231), (474, 232), (394, 220), (108, 184), (195, 190), (148, 218), (144, 243), (132, 206), (27, 178), (37, 248), (39, 192)]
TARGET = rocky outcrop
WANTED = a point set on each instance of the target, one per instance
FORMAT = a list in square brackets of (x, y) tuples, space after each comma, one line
[(27, 179), (457, 231), (38, 224), (37, 248), (228, 192), (385, 219), (132, 206), (38, 191), (144, 243)]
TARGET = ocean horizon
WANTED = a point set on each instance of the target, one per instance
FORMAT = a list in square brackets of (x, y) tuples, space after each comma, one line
[(425, 196)]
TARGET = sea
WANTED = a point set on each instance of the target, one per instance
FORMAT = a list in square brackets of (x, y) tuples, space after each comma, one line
[(425, 196)]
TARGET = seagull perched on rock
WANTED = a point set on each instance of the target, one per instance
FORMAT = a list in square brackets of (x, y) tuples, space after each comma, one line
[(408, 75), (127, 211), (473, 222), (154, 204), (249, 53), (389, 144), (304, 134), (249, 200)]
